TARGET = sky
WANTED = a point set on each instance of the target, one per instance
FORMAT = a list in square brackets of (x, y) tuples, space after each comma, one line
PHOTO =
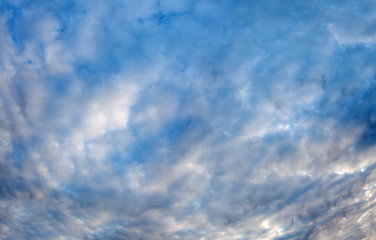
[(188, 119)]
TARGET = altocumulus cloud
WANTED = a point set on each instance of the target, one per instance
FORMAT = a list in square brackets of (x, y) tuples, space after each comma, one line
[(164, 119)]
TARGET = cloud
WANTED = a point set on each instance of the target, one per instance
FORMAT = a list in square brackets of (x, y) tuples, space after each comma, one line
[(187, 120)]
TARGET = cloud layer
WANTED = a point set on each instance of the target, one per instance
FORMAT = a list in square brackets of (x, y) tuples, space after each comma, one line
[(187, 119)]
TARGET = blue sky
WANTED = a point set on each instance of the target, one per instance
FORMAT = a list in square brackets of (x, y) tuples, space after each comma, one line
[(210, 119)]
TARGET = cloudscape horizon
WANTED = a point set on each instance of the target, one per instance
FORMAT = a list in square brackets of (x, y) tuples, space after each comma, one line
[(188, 119)]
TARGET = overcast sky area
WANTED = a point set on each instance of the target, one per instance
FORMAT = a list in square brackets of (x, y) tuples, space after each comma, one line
[(187, 119)]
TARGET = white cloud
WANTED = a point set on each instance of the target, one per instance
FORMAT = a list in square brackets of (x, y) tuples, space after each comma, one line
[(108, 111), (186, 120)]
